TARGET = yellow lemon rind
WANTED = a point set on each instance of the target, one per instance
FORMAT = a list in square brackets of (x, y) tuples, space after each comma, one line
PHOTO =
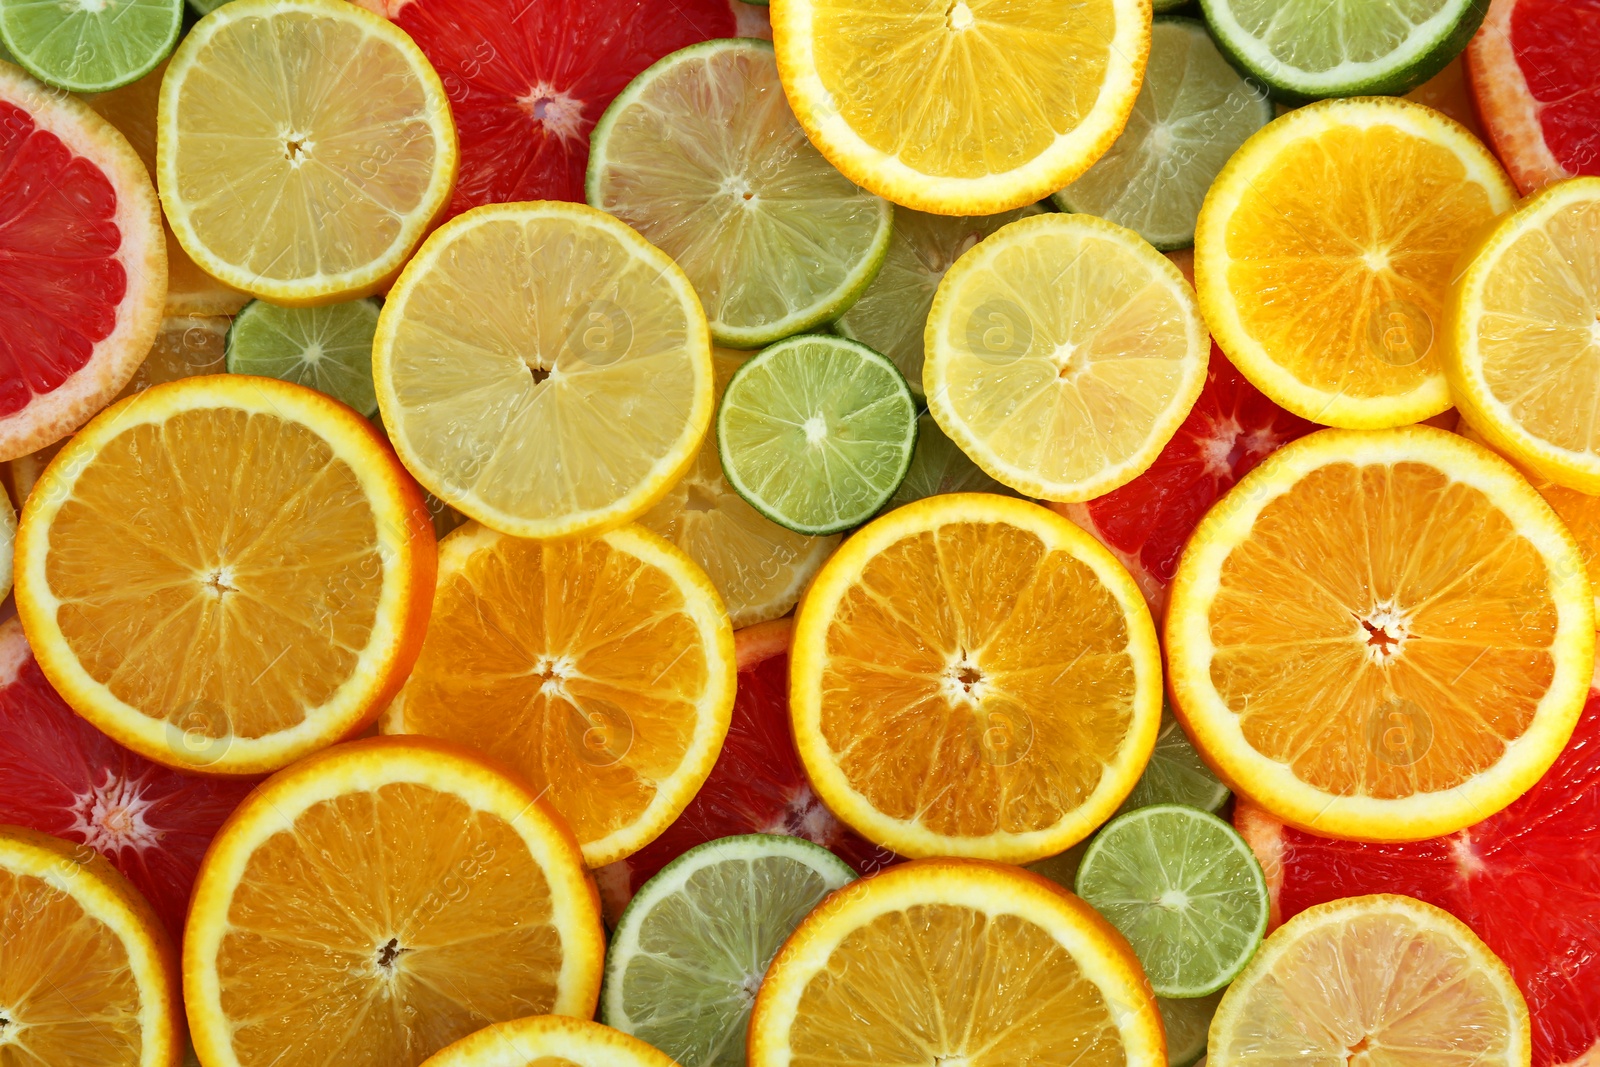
[(521, 1042)]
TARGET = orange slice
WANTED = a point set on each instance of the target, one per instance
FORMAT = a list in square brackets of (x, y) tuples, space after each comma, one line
[(379, 900), (973, 675), (87, 975), (955, 962), (602, 670), (1417, 593), (225, 573), (550, 1041)]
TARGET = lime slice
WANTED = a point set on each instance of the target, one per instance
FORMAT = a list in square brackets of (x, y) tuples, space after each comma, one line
[(892, 313), (1306, 49), (939, 466), (328, 348), (1186, 892), (89, 46), (702, 155), (816, 433), (1176, 774), (691, 948), (1187, 1023), (1194, 111)]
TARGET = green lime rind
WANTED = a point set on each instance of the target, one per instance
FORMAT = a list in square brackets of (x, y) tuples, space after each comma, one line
[(1185, 890), (701, 154), (90, 46), (1305, 50), (816, 432), (1187, 1024), (327, 348), (939, 466), (1193, 112), (694, 943), (1176, 774)]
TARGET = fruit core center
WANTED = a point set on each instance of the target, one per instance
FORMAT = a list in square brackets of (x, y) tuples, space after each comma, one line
[(959, 16), (1161, 138), (555, 112), (1594, 330), (1384, 631), (950, 1059), (816, 429), (388, 954), (111, 816), (540, 374), (313, 353), (92, 6), (296, 147), (1376, 260), (1355, 1050), (1176, 899), (964, 680), (737, 188), (552, 671), (1223, 450), (220, 581), (9, 1030), (1068, 367)]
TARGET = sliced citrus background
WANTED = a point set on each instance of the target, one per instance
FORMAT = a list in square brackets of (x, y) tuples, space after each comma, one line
[(389, 896), (226, 573), (1324, 251), (601, 670), (955, 961), (963, 108), (551, 1040), (973, 675), (1416, 591)]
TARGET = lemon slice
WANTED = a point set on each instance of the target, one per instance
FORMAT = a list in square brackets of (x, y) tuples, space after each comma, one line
[(1063, 353), (550, 1040), (303, 148), (543, 369)]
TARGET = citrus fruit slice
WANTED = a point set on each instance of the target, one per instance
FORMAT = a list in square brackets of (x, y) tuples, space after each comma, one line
[(682, 971), (774, 239), (1523, 334), (89, 48), (1373, 979), (389, 896), (970, 110), (1176, 774), (914, 942), (757, 785), (972, 675), (1517, 879), (89, 975), (1063, 353), (545, 394), (82, 227), (938, 466), (759, 568), (601, 670), (1304, 50), (225, 573), (1534, 70), (1186, 1023), (1324, 252), (1447, 92), (328, 349), (307, 189), (554, 1040), (816, 433), (1193, 112), (1347, 554)]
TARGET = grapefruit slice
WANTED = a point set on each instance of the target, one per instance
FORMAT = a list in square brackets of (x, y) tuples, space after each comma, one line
[(1527, 881), (528, 81), (61, 776), (85, 280)]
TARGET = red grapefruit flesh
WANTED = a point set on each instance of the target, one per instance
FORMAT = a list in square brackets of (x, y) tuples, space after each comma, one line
[(83, 265), (757, 785), (61, 776), (1534, 67), (528, 79), (1526, 880)]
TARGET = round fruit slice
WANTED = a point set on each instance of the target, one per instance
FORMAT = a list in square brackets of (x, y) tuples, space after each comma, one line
[(88, 48), (971, 111), (307, 189), (1324, 252), (938, 466), (549, 1039), (681, 968), (774, 239), (973, 675), (1523, 334), (759, 568), (816, 433), (1347, 554), (1063, 353), (916, 941), (89, 976), (391, 896), (82, 231), (1304, 50), (328, 349), (1534, 70), (600, 670), (1379, 978), (544, 369), (1193, 112), (225, 573), (1176, 774)]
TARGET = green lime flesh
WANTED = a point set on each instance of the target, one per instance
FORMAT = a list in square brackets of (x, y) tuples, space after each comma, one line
[(701, 155), (939, 466), (1176, 774), (90, 46), (328, 349), (1185, 890), (817, 433), (1187, 1024), (693, 945)]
